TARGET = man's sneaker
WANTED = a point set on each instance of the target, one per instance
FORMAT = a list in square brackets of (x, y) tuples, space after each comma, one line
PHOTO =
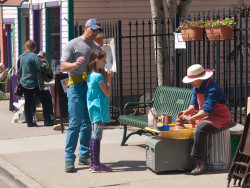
[(48, 123), (31, 124), (84, 161), (101, 168), (69, 166)]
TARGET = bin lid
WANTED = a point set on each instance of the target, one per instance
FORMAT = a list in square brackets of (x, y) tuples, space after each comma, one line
[(237, 129)]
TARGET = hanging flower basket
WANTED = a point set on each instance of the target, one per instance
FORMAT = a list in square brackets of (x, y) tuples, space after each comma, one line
[(99, 40), (192, 33), (222, 32)]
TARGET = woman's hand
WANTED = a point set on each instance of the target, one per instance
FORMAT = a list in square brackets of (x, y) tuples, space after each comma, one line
[(110, 74), (180, 114), (185, 118)]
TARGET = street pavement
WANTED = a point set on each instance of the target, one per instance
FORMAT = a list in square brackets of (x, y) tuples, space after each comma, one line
[(34, 157)]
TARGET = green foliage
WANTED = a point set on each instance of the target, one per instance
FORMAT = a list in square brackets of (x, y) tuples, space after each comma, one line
[(190, 23), (207, 23), (213, 23), (100, 35)]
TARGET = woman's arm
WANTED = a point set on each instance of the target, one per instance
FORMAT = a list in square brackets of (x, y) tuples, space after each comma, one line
[(107, 89), (201, 114), (191, 109), (104, 74)]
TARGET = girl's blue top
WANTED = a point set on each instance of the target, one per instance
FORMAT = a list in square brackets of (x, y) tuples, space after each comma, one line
[(97, 101)]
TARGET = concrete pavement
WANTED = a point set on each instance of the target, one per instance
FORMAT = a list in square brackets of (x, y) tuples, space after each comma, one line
[(34, 157)]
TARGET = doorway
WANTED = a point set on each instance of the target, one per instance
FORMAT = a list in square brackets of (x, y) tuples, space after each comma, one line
[(9, 45), (37, 29), (53, 36), (23, 27)]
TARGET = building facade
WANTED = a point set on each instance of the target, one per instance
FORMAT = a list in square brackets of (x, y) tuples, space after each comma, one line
[(50, 23)]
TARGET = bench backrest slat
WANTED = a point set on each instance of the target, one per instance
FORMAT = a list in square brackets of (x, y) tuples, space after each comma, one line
[(171, 100)]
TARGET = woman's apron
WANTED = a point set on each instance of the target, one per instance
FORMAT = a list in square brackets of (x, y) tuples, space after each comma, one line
[(219, 117)]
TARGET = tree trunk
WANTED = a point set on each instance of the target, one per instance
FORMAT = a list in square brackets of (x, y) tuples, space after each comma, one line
[(181, 8), (172, 10), (160, 44), (184, 8)]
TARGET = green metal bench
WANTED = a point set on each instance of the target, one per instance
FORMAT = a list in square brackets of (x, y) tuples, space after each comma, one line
[(170, 100)]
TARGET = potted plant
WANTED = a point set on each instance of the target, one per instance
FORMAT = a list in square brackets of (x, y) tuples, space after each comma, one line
[(191, 30), (219, 30), (99, 38)]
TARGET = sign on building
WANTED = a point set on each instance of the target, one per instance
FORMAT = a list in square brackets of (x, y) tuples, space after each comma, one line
[(14, 3)]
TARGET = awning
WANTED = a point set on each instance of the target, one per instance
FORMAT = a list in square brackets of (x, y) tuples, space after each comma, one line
[(12, 3)]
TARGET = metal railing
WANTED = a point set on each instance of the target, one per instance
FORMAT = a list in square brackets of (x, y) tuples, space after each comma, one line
[(137, 51)]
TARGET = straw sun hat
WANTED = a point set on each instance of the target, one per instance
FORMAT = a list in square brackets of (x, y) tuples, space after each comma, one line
[(197, 72)]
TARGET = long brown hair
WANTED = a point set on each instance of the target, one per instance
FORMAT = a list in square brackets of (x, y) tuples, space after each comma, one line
[(94, 56)]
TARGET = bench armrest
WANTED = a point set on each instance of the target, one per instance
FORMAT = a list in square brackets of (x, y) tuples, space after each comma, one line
[(136, 105)]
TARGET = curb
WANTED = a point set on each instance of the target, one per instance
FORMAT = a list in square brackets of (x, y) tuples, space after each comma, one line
[(15, 176)]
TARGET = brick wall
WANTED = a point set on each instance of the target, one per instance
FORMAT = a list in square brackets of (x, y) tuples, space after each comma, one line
[(2, 38)]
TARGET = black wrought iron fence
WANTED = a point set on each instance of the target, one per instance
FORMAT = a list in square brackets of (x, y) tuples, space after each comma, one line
[(230, 59), (138, 49)]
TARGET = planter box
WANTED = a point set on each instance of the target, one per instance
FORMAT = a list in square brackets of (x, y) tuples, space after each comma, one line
[(192, 33), (222, 32)]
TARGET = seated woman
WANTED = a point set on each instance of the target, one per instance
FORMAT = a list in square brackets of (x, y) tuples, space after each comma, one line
[(207, 110)]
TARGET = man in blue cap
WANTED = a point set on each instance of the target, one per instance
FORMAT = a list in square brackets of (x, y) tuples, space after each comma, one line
[(74, 60)]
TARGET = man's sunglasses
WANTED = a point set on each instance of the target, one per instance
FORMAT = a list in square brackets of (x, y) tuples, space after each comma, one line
[(96, 30)]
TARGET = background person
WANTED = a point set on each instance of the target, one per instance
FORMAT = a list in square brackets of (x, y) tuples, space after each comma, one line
[(28, 68), (74, 60), (213, 114), (3, 75), (98, 94), (46, 76)]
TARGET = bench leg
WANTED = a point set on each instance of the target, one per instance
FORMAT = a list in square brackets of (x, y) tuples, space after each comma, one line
[(139, 132), (124, 139)]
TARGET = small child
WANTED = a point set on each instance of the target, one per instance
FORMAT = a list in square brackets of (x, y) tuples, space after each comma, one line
[(99, 89)]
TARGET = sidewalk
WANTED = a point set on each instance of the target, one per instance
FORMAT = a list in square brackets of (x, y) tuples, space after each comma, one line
[(35, 157)]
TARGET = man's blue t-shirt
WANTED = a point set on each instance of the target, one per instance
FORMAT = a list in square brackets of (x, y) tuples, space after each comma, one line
[(97, 101)]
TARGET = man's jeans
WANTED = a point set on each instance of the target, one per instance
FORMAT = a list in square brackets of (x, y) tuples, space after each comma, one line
[(200, 136), (79, 122)]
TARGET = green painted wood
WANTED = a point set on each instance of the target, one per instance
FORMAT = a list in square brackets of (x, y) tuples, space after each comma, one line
[(70, 20), (20, 51), (11, 47), (48, 55)]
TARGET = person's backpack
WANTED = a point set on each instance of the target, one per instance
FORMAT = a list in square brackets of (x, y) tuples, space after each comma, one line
[(48, 74)]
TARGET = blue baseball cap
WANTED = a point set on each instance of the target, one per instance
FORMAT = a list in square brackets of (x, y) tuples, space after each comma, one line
[(93, 24)]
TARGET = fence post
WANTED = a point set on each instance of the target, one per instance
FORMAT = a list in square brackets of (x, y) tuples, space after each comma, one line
[(120, 67), (176, 55)]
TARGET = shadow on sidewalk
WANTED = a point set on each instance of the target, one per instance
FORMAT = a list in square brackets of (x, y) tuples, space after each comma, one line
[(122, 166), (187, 172)]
